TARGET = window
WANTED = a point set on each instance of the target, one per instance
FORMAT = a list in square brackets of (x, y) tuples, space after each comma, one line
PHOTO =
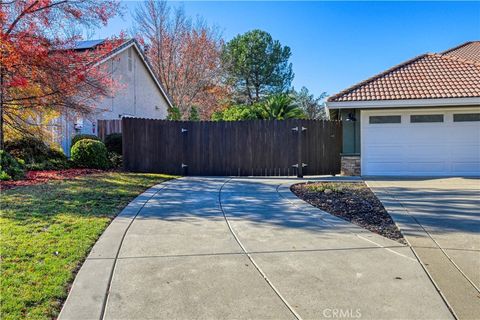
[(463, 117), (421, 118), (385, 119)]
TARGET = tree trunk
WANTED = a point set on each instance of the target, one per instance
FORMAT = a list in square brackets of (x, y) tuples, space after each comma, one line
[(1, 109)]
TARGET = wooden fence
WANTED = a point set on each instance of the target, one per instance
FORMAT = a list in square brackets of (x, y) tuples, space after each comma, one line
[(240, 148), (105, 127)]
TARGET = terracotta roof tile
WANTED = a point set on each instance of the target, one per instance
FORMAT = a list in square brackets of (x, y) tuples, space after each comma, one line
[(452, 74), (469, 51)]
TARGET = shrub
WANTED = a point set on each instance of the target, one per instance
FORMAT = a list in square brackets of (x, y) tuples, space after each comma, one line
[(79, 137), (52, 164), (113, 142), (174, 114), (29, 149), (36, 154), (88, 153), (115, 159), (10, 168)]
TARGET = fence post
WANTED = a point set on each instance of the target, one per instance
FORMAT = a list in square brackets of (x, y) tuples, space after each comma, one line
[(299, 150)]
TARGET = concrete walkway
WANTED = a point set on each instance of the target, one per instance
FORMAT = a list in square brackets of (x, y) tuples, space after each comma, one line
[(221, 248), (440, 218)]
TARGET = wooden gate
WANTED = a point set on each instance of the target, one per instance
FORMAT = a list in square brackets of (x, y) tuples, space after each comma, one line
[(232, 148)]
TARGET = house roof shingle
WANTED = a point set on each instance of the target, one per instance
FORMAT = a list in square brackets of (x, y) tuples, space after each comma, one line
[(451, 74)]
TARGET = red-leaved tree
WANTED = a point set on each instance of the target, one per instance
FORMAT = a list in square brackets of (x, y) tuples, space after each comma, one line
[(40, 74)]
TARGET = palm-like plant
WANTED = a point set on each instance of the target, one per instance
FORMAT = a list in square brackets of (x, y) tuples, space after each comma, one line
[(281, 107)]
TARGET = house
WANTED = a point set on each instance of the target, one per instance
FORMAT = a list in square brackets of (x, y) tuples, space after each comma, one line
[(140, 95), (419, 118)]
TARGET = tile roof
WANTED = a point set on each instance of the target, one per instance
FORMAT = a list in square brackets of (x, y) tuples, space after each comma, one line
[(452, 74), (468, 51)]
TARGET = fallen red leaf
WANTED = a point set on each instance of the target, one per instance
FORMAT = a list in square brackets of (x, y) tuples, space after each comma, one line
[(44, 176)]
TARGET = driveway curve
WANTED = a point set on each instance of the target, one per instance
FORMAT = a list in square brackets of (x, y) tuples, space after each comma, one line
[(223, 248)]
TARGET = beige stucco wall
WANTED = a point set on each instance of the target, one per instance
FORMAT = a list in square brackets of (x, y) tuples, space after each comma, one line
[(137, 95)]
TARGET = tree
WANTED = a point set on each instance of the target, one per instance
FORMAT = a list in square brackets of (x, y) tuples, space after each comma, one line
[(194, 116), (185, 55), (39, 75), (281, 107), (257, 66), (239, 112), (311, 106), (174, 114)]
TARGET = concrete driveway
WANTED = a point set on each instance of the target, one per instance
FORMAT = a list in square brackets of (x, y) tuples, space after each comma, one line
[(440, 218), (221, 248)]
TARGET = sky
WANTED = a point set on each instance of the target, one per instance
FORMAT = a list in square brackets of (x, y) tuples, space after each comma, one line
[(336, 44)]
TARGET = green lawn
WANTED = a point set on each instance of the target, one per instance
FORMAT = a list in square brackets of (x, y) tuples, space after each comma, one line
[(47, 231)]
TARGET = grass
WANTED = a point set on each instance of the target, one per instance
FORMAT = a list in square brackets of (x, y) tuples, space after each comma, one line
[(47, 231), (334, 187)]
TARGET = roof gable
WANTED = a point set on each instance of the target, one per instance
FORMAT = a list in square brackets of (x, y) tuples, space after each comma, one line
[(429, 76), (91, 44)]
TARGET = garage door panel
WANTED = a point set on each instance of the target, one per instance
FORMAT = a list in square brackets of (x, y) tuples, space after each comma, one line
[(425, 151), (435, 149), (385, 152), (465, 153), (462, 133), (420, 167), (422, 134), (386, 167), (383, 137), (471, 168)]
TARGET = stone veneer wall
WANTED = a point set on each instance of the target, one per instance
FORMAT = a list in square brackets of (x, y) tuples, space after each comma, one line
[(350, 166)]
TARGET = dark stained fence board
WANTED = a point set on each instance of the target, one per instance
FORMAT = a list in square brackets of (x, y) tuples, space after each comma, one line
[(106, 127), (244, 148)]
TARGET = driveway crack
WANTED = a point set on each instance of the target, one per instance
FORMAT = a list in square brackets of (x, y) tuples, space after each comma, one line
[(249, 256)]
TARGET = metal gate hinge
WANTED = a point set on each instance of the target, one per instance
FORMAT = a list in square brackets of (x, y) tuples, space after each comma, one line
[(296, 129), (184, 165), (303, 165), (184, 130)]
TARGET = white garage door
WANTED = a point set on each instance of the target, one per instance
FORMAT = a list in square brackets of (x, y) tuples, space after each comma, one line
[(420, 142)]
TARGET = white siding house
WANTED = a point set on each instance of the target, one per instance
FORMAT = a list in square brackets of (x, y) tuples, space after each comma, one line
[(140, 94)]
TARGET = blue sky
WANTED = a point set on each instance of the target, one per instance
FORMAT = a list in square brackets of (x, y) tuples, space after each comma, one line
[(336, 44)]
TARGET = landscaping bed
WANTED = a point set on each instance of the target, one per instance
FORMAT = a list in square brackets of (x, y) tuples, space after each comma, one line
[(354, 202), (48, 230), (44, 176)]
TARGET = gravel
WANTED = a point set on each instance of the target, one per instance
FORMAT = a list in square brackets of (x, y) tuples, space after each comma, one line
[(352, 201)]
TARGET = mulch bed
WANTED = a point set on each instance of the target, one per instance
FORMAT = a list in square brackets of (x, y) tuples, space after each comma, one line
[(44, 176), (354, 202)]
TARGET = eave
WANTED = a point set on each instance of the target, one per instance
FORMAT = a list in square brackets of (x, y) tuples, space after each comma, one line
[(407, 103)]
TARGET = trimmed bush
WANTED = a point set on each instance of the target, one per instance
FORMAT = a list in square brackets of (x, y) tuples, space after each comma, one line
[(79, 137), (88, 153), (116, 160), (10, 168), (113, 142), (52, 164), (36, 154)]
